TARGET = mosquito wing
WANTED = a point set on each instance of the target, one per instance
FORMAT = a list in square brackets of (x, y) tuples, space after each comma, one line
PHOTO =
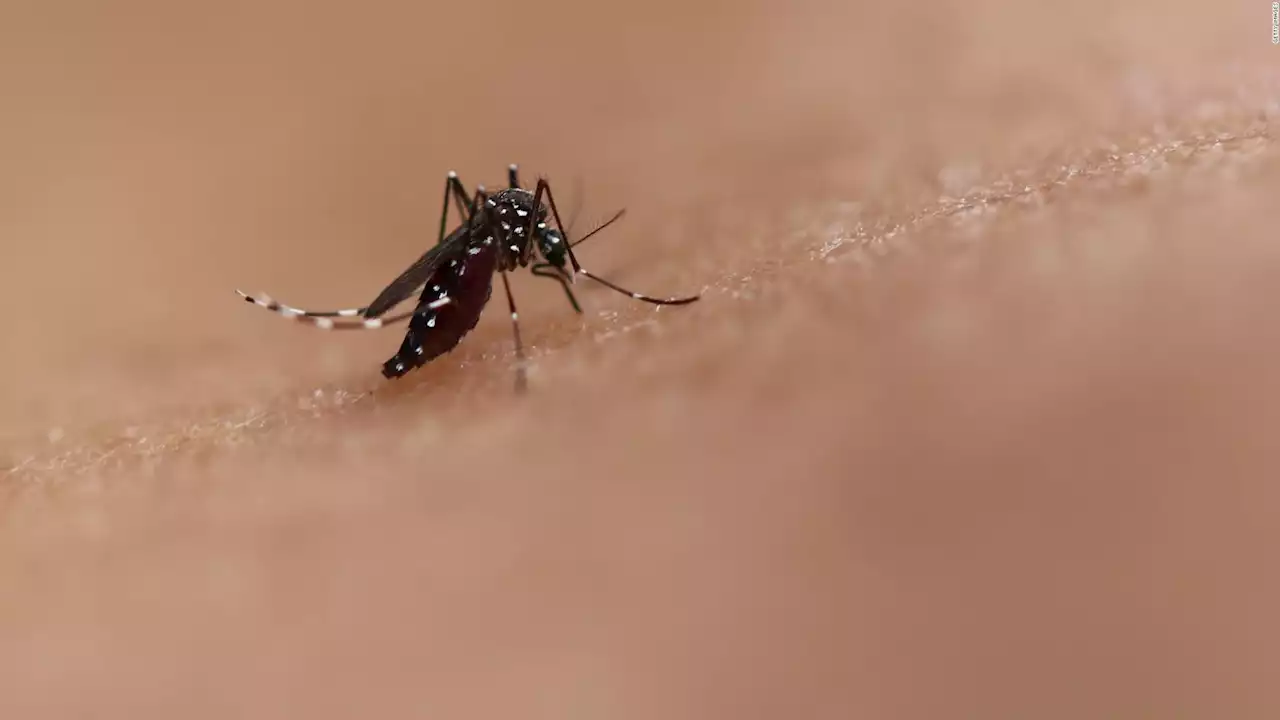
[(418, 273)]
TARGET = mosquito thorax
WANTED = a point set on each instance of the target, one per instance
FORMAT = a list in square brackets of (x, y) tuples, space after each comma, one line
[(507, 219)]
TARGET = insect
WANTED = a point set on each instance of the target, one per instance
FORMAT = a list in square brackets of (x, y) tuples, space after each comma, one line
[(499, 233)]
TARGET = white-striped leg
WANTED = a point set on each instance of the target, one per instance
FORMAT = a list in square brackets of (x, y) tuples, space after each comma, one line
[(334, 319), (522, 380)]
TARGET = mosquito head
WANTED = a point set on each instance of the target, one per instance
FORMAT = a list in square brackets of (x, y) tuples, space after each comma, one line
[(552, 247)]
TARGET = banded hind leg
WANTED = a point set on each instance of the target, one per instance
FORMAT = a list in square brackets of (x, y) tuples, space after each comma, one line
[(345, 319), (328, 319)]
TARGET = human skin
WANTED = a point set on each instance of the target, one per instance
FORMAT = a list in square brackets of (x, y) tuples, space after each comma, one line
[(972, 420)]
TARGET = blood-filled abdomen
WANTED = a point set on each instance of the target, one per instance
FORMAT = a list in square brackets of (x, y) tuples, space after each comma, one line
[(467, 282)]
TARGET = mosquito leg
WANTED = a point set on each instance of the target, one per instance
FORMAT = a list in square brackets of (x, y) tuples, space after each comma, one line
[(544, 188), (329, 319), (454, 188), (513, 175), (347, 318), (547, 270), (522, 381)]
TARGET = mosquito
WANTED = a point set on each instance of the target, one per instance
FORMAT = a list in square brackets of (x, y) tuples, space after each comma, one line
[(499, 234)]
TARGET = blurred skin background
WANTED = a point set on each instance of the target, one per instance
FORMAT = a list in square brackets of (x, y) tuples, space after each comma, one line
[(973, 419)]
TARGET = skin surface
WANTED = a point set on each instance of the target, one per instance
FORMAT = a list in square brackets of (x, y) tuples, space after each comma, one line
[(975, 418)]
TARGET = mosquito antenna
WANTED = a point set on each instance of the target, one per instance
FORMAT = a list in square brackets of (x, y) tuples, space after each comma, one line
[(616, 217), (579, 195)]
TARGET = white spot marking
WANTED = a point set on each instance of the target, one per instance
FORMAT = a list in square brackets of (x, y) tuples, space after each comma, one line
[(431, 322), (519, 231), (453, 175), (348, 313), (324, 323), (373, 323), (522, 213), (506, 226)]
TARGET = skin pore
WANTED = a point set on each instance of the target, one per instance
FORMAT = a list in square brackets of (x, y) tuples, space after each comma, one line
[(972, 420)]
